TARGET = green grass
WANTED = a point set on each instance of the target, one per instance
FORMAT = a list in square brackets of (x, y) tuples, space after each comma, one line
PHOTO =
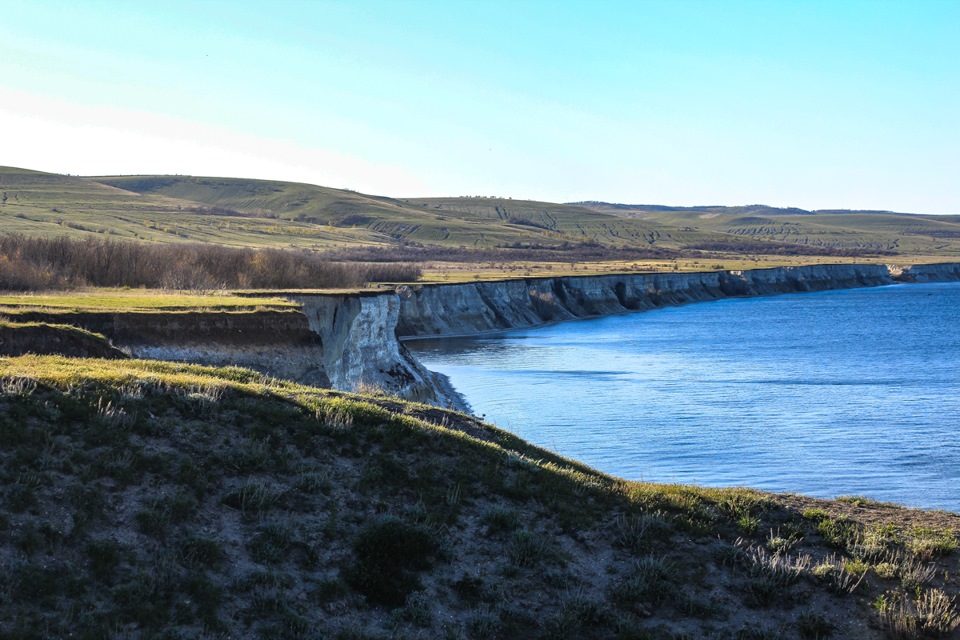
[(118, 300)]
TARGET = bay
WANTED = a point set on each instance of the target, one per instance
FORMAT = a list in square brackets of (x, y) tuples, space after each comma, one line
[(849, 392)]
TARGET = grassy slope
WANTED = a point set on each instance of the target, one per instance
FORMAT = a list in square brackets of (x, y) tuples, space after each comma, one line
[(471, 222), (905, 233), (51, 204), (565, 222), (245, 212), (148, 497), (488, 222)]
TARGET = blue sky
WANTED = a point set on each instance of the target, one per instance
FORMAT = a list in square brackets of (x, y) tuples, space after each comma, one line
[(809, 104)]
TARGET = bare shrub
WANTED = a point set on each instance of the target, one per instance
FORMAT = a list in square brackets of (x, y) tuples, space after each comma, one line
[(840, 576), (32, 264), (782, 568), (932, 615), (915, 573)]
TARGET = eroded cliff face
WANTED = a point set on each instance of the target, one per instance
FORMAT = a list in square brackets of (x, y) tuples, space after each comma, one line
[(479, 307), (948, 272), (277, 343), (361, 351), (351, 342)]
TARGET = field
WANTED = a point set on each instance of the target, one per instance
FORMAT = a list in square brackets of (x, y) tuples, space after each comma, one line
[(113, 300)]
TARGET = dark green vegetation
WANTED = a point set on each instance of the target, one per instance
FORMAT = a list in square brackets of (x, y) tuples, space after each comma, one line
[(259, 213), (149, 499)]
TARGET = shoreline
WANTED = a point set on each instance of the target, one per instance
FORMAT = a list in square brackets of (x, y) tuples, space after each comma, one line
[(499, 332), (478, 309), (502, 407)]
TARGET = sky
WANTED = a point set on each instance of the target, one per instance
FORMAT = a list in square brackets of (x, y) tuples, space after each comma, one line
[(811, 104)]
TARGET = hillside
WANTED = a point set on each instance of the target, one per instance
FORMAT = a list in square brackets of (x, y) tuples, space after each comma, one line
[(261, 213), (48, 204), (901, 233), (469, 222), (148, 499), (438, 239)]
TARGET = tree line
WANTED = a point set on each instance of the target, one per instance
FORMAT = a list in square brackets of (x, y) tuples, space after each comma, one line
[(38, 263)]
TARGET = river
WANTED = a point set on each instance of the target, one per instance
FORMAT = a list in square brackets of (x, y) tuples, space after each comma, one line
[(848, 392)]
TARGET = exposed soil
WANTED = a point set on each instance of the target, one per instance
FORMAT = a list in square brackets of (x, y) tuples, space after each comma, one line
[(44, 339)]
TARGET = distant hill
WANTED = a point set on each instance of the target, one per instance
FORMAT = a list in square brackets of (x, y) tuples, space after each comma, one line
[(466, 221), (748, 209), (638, 209), (264, 213), (829, 228)]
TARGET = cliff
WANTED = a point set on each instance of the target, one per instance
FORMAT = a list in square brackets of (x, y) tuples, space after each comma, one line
[(17, 339), (478, 307), (352, 342), (360, 350), (278, 343), (946, 272), (345, 342)]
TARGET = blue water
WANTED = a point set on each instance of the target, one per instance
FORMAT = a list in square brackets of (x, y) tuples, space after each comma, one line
[(853, 392)]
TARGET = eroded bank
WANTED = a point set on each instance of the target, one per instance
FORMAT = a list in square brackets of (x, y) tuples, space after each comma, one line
[(354, 342)]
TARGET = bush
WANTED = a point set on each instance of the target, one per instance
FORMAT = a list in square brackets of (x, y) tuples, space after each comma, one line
[(32, 264), (387, 556)]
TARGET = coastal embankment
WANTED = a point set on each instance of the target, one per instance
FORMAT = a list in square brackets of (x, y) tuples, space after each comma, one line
[(354, 342), (484, 307)]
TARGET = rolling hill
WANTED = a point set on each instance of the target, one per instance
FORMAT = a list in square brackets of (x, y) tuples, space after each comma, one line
[(833, 229), (468, 222), (261, 213)]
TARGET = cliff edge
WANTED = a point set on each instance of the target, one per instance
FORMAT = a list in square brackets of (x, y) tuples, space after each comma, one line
[(353, 342), (481, 307)]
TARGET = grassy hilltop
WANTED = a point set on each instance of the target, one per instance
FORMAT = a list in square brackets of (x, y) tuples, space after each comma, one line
[(149, 499), (261, 213), (470, 222)]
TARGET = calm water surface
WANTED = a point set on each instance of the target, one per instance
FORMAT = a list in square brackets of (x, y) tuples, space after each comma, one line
[(827, 394)]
